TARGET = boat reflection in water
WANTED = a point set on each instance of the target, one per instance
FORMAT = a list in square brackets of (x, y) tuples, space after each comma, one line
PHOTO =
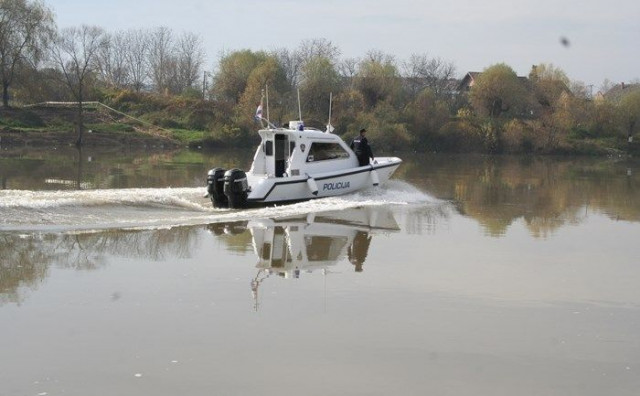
[(290, 246)]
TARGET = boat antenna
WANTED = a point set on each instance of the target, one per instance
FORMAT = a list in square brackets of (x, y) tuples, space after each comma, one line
[(255, 283), (267, 89), (329, 127), (258, 115), (299, 108)]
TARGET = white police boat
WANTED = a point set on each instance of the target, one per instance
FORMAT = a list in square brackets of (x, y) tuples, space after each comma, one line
[(296, 163)]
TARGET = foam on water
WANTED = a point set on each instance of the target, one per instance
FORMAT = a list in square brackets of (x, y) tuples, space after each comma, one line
[(167, 207), (181, 197)]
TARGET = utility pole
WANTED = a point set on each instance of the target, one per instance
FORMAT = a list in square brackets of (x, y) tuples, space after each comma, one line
[(204, 84)]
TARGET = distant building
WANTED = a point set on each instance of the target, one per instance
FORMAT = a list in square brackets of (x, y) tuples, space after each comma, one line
[(442, 88), (468, 81), (552, 89), (615, 93)]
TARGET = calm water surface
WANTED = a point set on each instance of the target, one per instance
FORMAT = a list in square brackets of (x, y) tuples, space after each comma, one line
[(463, 275)]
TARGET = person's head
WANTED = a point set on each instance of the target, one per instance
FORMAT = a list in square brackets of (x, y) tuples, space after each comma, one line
[(363, 131)]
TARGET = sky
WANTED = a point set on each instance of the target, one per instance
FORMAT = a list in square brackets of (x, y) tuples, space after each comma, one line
[(603, 37)]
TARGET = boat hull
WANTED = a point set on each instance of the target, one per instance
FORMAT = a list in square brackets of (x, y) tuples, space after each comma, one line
[(270, 190)]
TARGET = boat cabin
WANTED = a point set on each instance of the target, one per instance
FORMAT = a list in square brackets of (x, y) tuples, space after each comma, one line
[(296, 150)]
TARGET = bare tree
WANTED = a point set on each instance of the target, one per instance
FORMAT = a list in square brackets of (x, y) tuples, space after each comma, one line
[(74, 53), (290, 64), (348, 69), (311, 49), (160, 58), (378, 78), (190, 60), (293, 62), (377, 56), (606, 85), (25, 28), (423, 72), (137, 50), (111, 60)]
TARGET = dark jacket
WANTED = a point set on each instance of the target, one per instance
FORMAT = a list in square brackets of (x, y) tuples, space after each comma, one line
[(360, 146)]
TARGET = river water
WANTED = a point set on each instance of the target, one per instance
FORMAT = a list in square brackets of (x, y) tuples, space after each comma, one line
[(461, 275)]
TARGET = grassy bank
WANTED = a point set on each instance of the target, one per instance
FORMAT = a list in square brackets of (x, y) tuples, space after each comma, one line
[(144, 120), (56, 126)]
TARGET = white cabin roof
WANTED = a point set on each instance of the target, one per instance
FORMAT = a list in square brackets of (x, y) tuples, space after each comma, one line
[(307, 133)]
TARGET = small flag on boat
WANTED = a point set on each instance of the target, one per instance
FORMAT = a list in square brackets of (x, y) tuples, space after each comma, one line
[(259, 112)]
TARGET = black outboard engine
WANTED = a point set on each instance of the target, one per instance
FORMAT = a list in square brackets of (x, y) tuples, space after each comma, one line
[(215, 188), (236, 188)]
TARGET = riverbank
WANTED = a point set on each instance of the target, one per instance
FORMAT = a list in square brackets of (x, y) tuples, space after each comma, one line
[(13, 138), (17, 138), (55, 127)]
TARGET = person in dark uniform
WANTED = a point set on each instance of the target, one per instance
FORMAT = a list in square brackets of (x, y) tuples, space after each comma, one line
[(360, 146)]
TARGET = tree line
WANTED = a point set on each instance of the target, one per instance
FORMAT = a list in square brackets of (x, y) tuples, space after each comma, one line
[(417, 103)]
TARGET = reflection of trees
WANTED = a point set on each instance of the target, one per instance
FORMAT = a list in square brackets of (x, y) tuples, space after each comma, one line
[(13, 168), (22, 264), (87, 251), (235, 235), (25, 260), (423, 219), (546, 193)]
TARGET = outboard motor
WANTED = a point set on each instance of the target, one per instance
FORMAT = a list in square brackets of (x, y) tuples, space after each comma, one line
[(215, 188), (236, 188)]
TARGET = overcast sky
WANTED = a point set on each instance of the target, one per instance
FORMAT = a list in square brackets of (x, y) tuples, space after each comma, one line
[(603, 36)]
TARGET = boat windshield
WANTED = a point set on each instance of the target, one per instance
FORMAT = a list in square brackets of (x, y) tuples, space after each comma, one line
[(320, 151)]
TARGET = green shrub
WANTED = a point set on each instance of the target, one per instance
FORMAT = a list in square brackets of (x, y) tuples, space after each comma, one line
[(581, 133), (188, 136), (21, 118), (516, 137), (459, 136), (200, 119)]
